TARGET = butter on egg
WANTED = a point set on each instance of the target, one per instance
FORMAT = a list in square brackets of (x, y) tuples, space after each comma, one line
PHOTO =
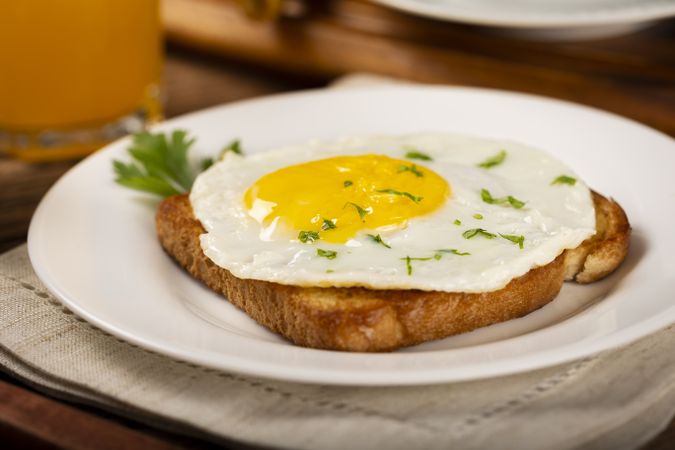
[(341, 196)]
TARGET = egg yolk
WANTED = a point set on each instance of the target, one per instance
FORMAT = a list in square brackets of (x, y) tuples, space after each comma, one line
[(339, 197)]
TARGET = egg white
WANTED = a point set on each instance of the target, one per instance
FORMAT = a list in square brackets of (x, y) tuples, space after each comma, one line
[(555, 218)]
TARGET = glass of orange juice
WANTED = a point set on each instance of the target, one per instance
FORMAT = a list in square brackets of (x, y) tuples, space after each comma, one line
[(75, 74)]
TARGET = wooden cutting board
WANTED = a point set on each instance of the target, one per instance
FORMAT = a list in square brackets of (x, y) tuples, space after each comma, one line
[(633, 75)]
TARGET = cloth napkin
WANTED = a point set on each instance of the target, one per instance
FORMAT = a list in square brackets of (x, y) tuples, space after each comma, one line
[(619, 399)]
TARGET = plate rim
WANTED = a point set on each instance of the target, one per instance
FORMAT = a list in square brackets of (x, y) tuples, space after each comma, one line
[(563, 354), (607, 17)]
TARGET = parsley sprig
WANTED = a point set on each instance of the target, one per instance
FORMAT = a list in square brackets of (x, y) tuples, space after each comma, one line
[(160, 163)]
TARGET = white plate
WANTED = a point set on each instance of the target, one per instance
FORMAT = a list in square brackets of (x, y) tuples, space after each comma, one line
[(93, 243), (557, 19)]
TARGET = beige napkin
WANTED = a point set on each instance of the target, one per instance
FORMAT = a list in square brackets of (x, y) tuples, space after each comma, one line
[(619, 399)]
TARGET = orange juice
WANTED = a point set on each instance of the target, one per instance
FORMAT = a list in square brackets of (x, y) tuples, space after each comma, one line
[(76, 73)]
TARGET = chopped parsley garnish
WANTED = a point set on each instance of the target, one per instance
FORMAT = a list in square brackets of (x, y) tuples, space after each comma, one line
[(308, 236), (413, 153), (362, 212), (437, 256), (454, 251), (564, 179), (414, 198), (514, 202), (329, 271), (457, 222), (520, 240), (412, 169), (205, 164), (468, 234), (494, 160), (478, 216), (328, 225), (409, 259), (347, 183), (408, 264), (378, 239), (330, 254), (488, 198)]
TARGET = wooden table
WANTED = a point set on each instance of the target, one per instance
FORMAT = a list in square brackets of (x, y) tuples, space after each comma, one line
[(29, 418)]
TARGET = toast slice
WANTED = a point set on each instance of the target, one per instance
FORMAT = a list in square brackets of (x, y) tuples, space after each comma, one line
[(369, 320)]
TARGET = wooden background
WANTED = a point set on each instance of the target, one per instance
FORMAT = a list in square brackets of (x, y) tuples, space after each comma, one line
[(216, 56)]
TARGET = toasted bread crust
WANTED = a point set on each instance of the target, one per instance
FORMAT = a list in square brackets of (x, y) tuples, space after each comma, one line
[(601, 254), (368, 320)]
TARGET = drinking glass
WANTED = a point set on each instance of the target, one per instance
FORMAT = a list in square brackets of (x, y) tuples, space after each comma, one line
[(75, 74)]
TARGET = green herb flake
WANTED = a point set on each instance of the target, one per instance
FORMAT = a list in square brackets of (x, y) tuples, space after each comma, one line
[(478, 216), (234, 147), (494, 160), (457, 222), (328, 225), (454, 251), (308, 236), (347, 183), (408, 265), (329, 271), (414, 198), (512, 201), (487, 197), (468, 234), (362, 212), (564, 179), (329, 254), (206, 163), (413, 153), (409, 259), (412, 169), (520, 240), (378, 239)]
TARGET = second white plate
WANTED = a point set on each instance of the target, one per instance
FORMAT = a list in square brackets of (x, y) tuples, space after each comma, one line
[(538, 13), (93, 243), (550, 19)]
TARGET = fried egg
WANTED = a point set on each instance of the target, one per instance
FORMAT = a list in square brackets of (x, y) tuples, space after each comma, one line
[(426, 211)]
